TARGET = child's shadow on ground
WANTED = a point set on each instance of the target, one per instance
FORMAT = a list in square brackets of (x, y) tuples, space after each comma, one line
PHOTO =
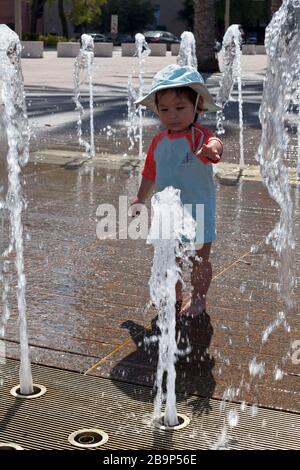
[(193, 370)]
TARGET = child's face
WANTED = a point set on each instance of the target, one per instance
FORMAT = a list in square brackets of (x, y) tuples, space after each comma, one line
[(176, 112)]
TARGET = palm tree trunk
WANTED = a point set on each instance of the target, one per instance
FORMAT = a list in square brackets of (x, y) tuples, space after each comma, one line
[(36, 6), (275, 5), (37, 11), (18, 18), (204, 31), (62, 17)]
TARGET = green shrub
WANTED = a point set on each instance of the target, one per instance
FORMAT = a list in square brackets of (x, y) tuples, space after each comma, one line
[(30, 36), (50, 40)]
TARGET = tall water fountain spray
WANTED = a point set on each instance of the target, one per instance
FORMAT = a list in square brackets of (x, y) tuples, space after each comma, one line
[(282, 42), (231, 74), (280, 97), (187, 51), (17, 130), (84, 63), (170, 223), (296, 103), (298, 131), (135, 114), (132, 114)]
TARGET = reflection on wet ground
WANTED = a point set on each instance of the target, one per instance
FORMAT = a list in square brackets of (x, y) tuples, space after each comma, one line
[(86, 296)]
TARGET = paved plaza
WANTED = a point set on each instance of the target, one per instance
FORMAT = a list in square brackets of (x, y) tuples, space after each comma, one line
[(86, 297)]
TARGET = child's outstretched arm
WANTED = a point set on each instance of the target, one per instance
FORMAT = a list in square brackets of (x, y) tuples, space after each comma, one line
[(144, 191), (211, 152), (147, 182)]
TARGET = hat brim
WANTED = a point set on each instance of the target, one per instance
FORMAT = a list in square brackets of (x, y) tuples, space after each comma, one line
[(208, 103)]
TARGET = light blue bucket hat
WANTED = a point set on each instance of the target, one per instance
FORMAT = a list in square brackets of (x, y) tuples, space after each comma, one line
[(174, 76)]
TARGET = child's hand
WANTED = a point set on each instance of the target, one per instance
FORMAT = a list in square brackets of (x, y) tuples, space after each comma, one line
[(136, 207), (209, 153)]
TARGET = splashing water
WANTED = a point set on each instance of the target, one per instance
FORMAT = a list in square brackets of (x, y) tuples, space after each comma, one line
[(142, 52), (278, 373), (84, 63), (223, 441), (170, 223), (17, 130), (233, 418), (282, 47), (231, 74), (279, 320), (132, 120), (298, 130), (256, 368), (187, 51), (135, 113), (281, 85), (5, 281)]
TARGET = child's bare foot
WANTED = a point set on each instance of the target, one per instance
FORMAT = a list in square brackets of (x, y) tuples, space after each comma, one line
[(178, 306), (193, 308)]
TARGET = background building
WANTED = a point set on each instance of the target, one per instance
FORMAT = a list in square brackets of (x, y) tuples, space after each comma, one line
[(52, 23), (166, 13), (7, 15), (275, 5), (246, 12)]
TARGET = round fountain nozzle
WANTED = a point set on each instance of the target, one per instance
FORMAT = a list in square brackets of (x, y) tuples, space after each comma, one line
[(38, 391), (10, 446), (183, 422), (88, 438)]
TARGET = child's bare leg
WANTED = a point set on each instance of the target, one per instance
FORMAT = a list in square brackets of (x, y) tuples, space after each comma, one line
[(201, 277), (178, 289), (200, 280)]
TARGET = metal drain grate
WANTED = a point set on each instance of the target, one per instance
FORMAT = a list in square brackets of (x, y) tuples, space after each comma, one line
[(123, 411)]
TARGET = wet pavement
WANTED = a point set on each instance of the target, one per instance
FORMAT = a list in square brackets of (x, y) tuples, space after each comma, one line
[(86, 297), (51, 107)]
